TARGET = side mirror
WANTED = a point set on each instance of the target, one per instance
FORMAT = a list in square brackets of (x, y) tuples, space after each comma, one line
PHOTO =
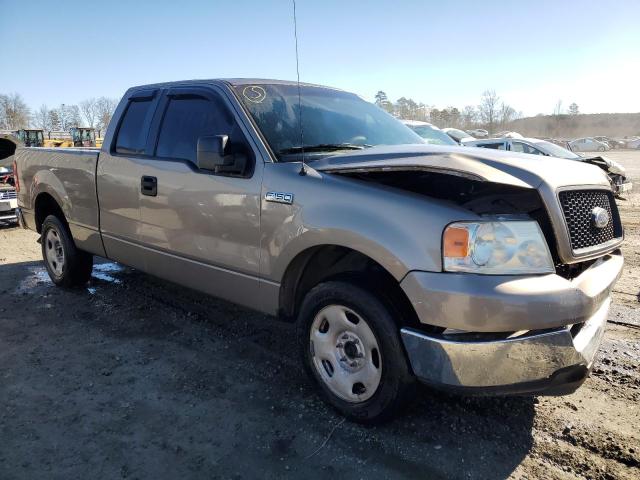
[(210, 153)]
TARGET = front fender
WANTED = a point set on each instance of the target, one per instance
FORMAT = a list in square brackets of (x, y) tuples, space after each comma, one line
[(399, 230)]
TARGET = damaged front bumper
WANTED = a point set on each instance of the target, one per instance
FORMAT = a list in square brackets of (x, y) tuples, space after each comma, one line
[(552, 362), (528, 337)]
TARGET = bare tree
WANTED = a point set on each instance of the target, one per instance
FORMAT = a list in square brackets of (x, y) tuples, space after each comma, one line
[(557, 110), (42, 119), (89, 111), (14, 113), (104, 110), (507, 115), (469, 117), (488, 109), (68, 117), (558, 115), (54, 120), (74, 118)]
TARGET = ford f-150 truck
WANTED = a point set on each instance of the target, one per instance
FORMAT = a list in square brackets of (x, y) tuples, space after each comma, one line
[(467, 269)]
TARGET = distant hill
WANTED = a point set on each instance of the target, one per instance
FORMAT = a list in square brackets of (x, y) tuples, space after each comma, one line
[(582, 125)]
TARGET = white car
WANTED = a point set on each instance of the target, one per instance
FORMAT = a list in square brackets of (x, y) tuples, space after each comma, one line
[(8, 198), (588, 144), (478, 133), (459, 136), (429, 132), (534, 146)]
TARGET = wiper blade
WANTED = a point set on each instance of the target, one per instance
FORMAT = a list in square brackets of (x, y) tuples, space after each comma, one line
[(323, 147)]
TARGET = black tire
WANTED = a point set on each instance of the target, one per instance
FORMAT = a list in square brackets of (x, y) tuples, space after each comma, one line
[(76, 266), (396, 381), (601, 149)]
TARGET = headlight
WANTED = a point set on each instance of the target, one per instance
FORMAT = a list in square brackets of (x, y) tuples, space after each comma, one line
[(496, 248)]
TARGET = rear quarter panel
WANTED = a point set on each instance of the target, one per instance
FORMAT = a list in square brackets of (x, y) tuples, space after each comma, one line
[(69, 176)]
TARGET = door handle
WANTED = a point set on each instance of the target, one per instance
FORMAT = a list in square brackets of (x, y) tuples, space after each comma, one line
[(149, 186)]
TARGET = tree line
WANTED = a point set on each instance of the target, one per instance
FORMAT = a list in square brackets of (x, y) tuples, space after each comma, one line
[(92, 112), (491, 113)]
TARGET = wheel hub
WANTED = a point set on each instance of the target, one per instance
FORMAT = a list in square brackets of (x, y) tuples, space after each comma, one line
[(349, 351), (54, 252), (345, 353)]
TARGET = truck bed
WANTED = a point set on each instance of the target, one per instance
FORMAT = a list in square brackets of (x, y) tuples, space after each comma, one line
[(69, 176)]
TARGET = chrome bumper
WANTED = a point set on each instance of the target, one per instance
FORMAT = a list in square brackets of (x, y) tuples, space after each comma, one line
[(553, 361)]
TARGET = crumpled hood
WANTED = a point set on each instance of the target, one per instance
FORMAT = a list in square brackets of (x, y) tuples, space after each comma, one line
[(611, 165), (483, 164)]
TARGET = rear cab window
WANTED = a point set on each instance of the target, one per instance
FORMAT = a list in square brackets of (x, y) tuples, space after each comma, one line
[(134, 127)]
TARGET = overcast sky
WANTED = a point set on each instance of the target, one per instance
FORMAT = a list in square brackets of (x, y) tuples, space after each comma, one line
[(440, 53)]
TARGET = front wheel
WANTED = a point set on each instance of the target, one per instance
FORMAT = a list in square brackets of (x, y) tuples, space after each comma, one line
[(351, 347), (601, 149), (67, 266)]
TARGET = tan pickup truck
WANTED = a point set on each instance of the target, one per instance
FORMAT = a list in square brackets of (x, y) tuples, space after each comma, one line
[(467, 269)]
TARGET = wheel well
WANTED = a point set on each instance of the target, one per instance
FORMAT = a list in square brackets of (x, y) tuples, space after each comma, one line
[(46, 205), (7, 148), (332, 262)]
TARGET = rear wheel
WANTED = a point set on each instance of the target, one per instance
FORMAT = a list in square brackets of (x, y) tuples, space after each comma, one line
[(351, 347), (67, 266)]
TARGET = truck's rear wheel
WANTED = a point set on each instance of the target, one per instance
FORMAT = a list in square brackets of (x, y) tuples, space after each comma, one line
[(352, 349), (67, 266)]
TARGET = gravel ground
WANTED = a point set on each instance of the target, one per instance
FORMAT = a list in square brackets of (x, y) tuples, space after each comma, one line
[(133, 377)]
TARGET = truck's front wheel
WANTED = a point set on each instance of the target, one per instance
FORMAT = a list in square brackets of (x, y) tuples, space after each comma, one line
[(352, 349), (67, 266)]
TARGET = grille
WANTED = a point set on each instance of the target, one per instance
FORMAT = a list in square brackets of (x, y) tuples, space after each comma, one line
[(8, 195), (577, 206)]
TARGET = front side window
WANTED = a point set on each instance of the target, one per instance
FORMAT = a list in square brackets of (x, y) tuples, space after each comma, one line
[(330, 119), (190, 116), (133, 131), (187, 118), (495, 146)]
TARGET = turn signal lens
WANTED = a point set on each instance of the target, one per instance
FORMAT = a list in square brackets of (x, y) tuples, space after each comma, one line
[(456, 242)]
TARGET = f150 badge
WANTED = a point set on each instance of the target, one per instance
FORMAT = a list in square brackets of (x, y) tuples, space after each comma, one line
[(279, 197)]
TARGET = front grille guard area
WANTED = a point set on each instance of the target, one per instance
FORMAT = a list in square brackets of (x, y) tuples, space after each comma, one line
[(577, 207)]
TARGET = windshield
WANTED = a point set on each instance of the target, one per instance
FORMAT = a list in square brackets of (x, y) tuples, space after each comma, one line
[(556, 150), (329, 117), (459, 134), (433, 135)]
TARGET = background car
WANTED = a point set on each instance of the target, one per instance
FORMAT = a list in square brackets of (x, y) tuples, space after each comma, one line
[(588, 144), (478, 133), (534, 146), (612, 142), (460, 136), (429, 132), (633, 143)]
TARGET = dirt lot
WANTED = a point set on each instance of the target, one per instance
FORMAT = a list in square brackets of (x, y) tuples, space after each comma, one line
[(133, 377)]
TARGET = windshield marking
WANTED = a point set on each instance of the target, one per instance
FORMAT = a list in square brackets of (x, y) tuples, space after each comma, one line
[(254, 93)]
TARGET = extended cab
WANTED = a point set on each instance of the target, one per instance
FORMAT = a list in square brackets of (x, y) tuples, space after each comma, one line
[(468, 269)]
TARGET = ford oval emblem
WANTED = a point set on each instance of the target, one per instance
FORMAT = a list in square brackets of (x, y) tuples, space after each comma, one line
[(599, 217)]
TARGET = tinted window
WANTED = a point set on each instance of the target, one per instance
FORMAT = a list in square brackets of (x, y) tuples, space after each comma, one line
[(496, 146), (189, 117), (132, 135)]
